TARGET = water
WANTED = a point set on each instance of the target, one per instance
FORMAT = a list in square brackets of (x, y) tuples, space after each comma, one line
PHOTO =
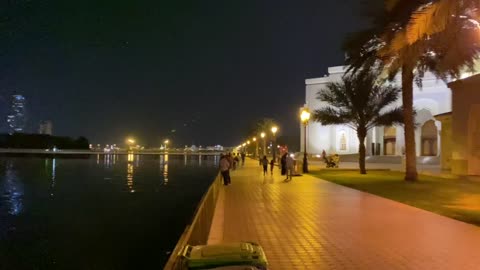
[(112, 212)]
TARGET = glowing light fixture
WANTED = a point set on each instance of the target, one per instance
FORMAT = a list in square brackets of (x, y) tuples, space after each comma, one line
[(274, 130), (305, 116)]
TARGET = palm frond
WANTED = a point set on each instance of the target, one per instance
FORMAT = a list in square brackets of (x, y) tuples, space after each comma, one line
[(388, 118), (331, 116), (430, 19)]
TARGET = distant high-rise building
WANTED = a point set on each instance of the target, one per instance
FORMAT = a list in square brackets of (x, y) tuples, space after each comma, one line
[(45, 127), (17, 118)]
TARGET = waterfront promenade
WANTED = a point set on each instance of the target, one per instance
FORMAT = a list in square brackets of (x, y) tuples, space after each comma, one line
[(314, 224)]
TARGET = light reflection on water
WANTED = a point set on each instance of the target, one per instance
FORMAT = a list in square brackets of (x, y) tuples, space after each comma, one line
[(63, 205), (52, 171), (130, 170), (164, 168), (12, 190)]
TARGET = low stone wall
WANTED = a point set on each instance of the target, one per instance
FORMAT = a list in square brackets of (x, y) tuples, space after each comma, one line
[(196, 233)]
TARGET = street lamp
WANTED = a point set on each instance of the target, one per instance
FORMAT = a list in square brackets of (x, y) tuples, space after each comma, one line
[(256, 146), (130, 142), (166, 143), (305, 117), (274, 147), (264, 144)]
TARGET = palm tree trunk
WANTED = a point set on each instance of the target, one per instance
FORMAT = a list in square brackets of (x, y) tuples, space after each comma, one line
[(361, 134), (409, 125)]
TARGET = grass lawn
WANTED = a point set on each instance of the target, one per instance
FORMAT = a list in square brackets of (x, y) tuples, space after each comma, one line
[(458, 199)]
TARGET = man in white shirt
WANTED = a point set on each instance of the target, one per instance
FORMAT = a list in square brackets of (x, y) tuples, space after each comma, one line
[(225, 170), (290, 164)]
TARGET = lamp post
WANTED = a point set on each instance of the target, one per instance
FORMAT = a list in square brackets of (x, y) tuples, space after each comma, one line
[(246, 151), (305, 117), (130, 142), (166, 143), (264, 143), (256, 146), (274, 146)]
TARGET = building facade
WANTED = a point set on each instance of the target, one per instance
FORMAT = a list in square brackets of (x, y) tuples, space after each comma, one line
[(45, 127), (462, 128), (433, 98), (17, 118)]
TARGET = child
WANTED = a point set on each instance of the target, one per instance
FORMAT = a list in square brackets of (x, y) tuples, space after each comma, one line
[(272, 163)]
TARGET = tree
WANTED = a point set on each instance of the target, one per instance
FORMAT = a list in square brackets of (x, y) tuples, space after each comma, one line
[(361, 102), (385, 46), (259, 126), (436, 16)]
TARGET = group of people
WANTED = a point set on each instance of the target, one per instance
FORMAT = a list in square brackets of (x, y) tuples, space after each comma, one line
[(287, 165), (230, 162)]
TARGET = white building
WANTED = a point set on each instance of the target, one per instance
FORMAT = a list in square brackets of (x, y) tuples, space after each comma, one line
[(432, 99)]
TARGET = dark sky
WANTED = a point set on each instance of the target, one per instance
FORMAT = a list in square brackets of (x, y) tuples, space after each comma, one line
[(107, 69)]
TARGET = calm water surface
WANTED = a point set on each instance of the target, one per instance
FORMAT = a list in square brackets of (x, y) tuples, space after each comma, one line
[(112, 212)]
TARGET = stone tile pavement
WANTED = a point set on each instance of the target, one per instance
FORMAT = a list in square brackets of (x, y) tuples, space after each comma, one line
[(309, 223)]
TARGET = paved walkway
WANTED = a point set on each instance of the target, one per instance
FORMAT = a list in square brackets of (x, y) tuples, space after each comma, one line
[(314, 224)]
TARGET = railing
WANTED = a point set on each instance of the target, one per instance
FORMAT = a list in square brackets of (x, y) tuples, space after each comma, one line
[(196, 233)]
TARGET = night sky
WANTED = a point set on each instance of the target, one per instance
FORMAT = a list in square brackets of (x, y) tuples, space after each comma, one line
[(107, 69)]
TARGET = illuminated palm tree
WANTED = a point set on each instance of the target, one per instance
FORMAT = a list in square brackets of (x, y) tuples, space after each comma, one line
[(361, 102), (385, 46), (436, 16)]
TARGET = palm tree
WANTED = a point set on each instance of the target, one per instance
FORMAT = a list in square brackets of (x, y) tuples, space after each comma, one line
[(361, 102), (385, 45), (436, 16), (262, 125)]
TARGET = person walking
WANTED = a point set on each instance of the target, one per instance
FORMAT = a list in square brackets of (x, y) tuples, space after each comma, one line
[(235, 161), (225, 170), (272, 163), (265, 165), (283, 162), (289, 162), (243, 158)]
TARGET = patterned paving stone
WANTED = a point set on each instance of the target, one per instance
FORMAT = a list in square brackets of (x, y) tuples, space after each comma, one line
[(309, 223)]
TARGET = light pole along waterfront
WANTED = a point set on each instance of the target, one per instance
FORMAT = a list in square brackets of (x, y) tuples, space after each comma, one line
[(166, 144), (305, 117), (130, 143), (256, 146), (274, 144)]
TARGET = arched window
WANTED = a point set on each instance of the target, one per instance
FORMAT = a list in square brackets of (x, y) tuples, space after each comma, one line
[(429, 139), (343, 141), (389, 140)]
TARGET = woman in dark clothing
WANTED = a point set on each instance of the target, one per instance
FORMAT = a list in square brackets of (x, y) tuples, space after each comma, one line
[(272, 163), (283, 163)]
